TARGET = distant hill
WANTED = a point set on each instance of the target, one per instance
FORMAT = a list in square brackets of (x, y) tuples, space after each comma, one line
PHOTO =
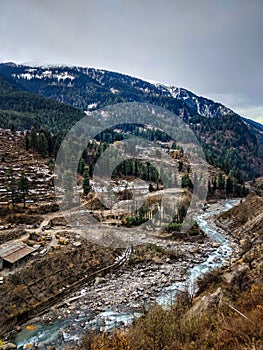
[(229, 140), (89, 88), (23, 109)]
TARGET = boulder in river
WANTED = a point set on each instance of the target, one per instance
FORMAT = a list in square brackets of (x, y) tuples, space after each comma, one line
[(157, 260), (99, 280), (8, 346)]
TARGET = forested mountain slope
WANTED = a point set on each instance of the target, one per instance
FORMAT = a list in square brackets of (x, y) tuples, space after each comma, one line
[(24, 110), (229, 140)]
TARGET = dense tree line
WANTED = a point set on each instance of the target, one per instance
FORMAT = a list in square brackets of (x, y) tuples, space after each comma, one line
[(47, 145), (232, 184), (24, 110), (228, 143), (42, 141)]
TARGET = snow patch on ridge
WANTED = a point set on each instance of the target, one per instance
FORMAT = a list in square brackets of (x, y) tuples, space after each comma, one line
[(114, 91), (92, 105), (47, 74)]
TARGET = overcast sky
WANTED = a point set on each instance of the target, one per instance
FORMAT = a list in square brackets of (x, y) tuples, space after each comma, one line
[(211, 47)]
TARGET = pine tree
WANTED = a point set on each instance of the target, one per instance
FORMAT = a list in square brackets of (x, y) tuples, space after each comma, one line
[(229, 185), (236, 186), (42, 145), (180, 166), (214, 183), (209, 186), (186, 181), (143, 213), (182, 210), (151, 188), (13, 128), (49, 140), (220, 181), (27, 141), (236, 173), (23, 187), (81, 166), (86, 184), (33, 138), (56, 145)]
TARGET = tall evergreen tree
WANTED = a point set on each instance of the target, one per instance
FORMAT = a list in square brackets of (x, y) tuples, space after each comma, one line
[(27, 141), (214, 183), (42, 145), (220, 181), (209, 186), (236, 173), (86, 184), (151, 188), (13, 128), (182, 210), (56, 145), (180, 166), (229, 185), (186, 181), (81, 166), (23, 187), (33, 138)]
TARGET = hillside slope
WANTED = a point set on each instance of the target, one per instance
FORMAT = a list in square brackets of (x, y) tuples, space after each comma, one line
[(89, 88), (228, 139), (24, 109), (245, 222)]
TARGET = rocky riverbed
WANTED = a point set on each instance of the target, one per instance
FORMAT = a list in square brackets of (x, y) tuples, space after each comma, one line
[(117, 298), (133, 285), (114, 300)]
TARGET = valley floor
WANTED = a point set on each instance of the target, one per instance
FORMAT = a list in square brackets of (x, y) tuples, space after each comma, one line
[(115, 299)]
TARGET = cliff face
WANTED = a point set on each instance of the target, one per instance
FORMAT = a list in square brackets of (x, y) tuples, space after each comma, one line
[(245, 223)]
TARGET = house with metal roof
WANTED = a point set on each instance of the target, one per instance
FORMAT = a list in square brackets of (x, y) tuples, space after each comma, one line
[(13, 252)]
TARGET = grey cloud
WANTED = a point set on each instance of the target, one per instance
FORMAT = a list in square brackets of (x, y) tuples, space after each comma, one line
[(213, 48)]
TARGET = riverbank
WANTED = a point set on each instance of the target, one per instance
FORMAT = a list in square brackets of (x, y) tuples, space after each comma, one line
[(120, 296), (211, 217)]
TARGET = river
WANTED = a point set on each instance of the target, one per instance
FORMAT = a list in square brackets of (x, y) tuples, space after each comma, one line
[(67, 331)]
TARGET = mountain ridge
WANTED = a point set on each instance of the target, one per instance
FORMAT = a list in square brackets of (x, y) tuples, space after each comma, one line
[(228, 139), (70, 76)]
